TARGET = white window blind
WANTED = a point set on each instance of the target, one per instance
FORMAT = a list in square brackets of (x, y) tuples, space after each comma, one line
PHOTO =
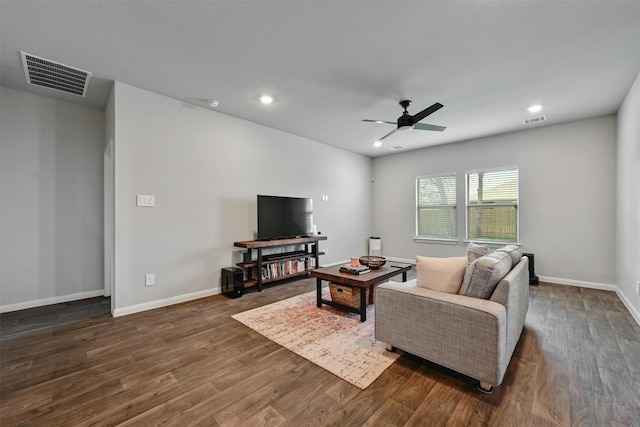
[(492, 205), (436, 207)]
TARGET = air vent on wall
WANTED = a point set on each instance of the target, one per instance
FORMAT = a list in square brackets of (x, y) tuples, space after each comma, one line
[(534, 120), (53, 75)]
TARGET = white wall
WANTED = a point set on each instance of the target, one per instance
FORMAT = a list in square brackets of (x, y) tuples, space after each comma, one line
[(109, 199), (628, 212), (51, 200), (205, 170), (567, 196)]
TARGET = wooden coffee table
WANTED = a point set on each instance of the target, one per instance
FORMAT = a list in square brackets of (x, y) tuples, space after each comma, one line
[(363, 282)]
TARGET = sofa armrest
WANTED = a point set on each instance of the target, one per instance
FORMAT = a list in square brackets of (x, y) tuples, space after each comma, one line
[(466, 334), (513, 293)]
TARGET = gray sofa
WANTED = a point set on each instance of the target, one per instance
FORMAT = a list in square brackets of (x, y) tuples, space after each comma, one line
[(473, 336)]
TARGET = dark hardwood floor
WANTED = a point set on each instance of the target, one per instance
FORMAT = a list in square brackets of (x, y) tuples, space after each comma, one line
[(577, 364)]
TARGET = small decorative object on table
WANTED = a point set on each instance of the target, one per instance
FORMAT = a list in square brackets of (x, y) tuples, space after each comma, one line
[(373, 261)]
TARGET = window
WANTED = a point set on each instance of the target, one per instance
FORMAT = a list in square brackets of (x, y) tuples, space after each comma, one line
[(436, 207), (492, 205)]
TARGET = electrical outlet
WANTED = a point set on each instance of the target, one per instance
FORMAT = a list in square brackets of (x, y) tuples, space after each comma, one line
[(149, 279)]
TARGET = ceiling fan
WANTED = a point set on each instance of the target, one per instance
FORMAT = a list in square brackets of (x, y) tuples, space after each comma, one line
[(408, 122)]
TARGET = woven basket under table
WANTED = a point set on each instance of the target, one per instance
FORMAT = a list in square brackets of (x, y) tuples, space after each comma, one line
[(348, 296)]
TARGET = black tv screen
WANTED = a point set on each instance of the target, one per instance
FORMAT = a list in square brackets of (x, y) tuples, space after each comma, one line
[(284, 217)]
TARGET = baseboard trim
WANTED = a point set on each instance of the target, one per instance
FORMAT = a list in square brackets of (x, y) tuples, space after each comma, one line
[(402, 260), (579, 283), (209, 292), (335, 263), (592, 285), (165, 302), (49, 301), (629, 306)]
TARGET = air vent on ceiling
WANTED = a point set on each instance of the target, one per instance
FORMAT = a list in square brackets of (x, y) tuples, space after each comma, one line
[(397, 147), (53, 75), (534, 120)]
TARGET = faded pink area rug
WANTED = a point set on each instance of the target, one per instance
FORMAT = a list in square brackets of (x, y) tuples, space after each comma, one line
[(334, 340)]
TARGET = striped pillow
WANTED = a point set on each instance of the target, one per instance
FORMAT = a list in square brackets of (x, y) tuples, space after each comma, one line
[(514, 251), (476, 251), (482, 275)]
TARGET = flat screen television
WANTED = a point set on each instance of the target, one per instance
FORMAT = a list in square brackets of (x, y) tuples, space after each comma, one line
[(284, 217)]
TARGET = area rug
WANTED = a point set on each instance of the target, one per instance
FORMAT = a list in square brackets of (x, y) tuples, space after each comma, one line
[(334, 340)]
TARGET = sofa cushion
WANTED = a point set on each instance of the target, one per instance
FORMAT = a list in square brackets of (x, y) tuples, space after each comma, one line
[(514, 251), (482, 275), (476, 251), (440, 274)]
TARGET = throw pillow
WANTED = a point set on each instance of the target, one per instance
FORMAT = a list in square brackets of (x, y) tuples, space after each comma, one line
[(440, 274), (476, 251), (514, 251), (482, 275)]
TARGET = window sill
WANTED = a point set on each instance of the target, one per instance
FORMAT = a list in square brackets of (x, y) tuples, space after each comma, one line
[(491, 243), (432, 240)]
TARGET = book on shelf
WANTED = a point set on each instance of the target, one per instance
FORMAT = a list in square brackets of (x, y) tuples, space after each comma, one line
[(347, 268), (274, 270)]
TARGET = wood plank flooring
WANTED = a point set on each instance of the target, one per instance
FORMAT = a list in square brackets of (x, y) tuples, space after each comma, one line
[(577, 364)]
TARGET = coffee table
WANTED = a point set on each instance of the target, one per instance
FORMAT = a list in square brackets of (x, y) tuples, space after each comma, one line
[(363, 282)]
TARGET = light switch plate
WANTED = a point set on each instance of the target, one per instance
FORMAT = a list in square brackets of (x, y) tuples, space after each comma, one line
[(146, 200)]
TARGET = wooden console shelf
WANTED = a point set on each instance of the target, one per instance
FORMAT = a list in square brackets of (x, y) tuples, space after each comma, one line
[(275, 267)]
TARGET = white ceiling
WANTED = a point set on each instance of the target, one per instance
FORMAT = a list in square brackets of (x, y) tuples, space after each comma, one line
[(330, 64)]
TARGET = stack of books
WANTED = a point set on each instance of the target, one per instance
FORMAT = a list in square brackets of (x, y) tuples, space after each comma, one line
[(361, 269)]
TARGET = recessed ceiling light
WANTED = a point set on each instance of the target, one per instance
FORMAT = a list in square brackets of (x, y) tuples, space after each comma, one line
[(534, 108), (377, 143), (212, 103), (266, 99)]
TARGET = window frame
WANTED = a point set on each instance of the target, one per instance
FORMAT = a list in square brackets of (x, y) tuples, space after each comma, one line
[(516, 205), (433, 239)]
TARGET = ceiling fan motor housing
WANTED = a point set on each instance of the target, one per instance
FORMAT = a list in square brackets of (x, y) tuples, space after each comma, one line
[(405, 120)]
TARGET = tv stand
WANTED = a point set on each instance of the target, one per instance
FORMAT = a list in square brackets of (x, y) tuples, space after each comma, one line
[(275, 267)]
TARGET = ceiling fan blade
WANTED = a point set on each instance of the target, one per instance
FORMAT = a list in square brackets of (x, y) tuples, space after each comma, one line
[(378, 121), (427, 111), (425, 126), (389, 134)]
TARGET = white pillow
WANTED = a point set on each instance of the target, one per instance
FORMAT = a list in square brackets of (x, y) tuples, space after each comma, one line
[(440, 274)]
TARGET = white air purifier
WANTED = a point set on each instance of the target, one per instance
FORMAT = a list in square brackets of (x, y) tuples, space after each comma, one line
[(375, 246)]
